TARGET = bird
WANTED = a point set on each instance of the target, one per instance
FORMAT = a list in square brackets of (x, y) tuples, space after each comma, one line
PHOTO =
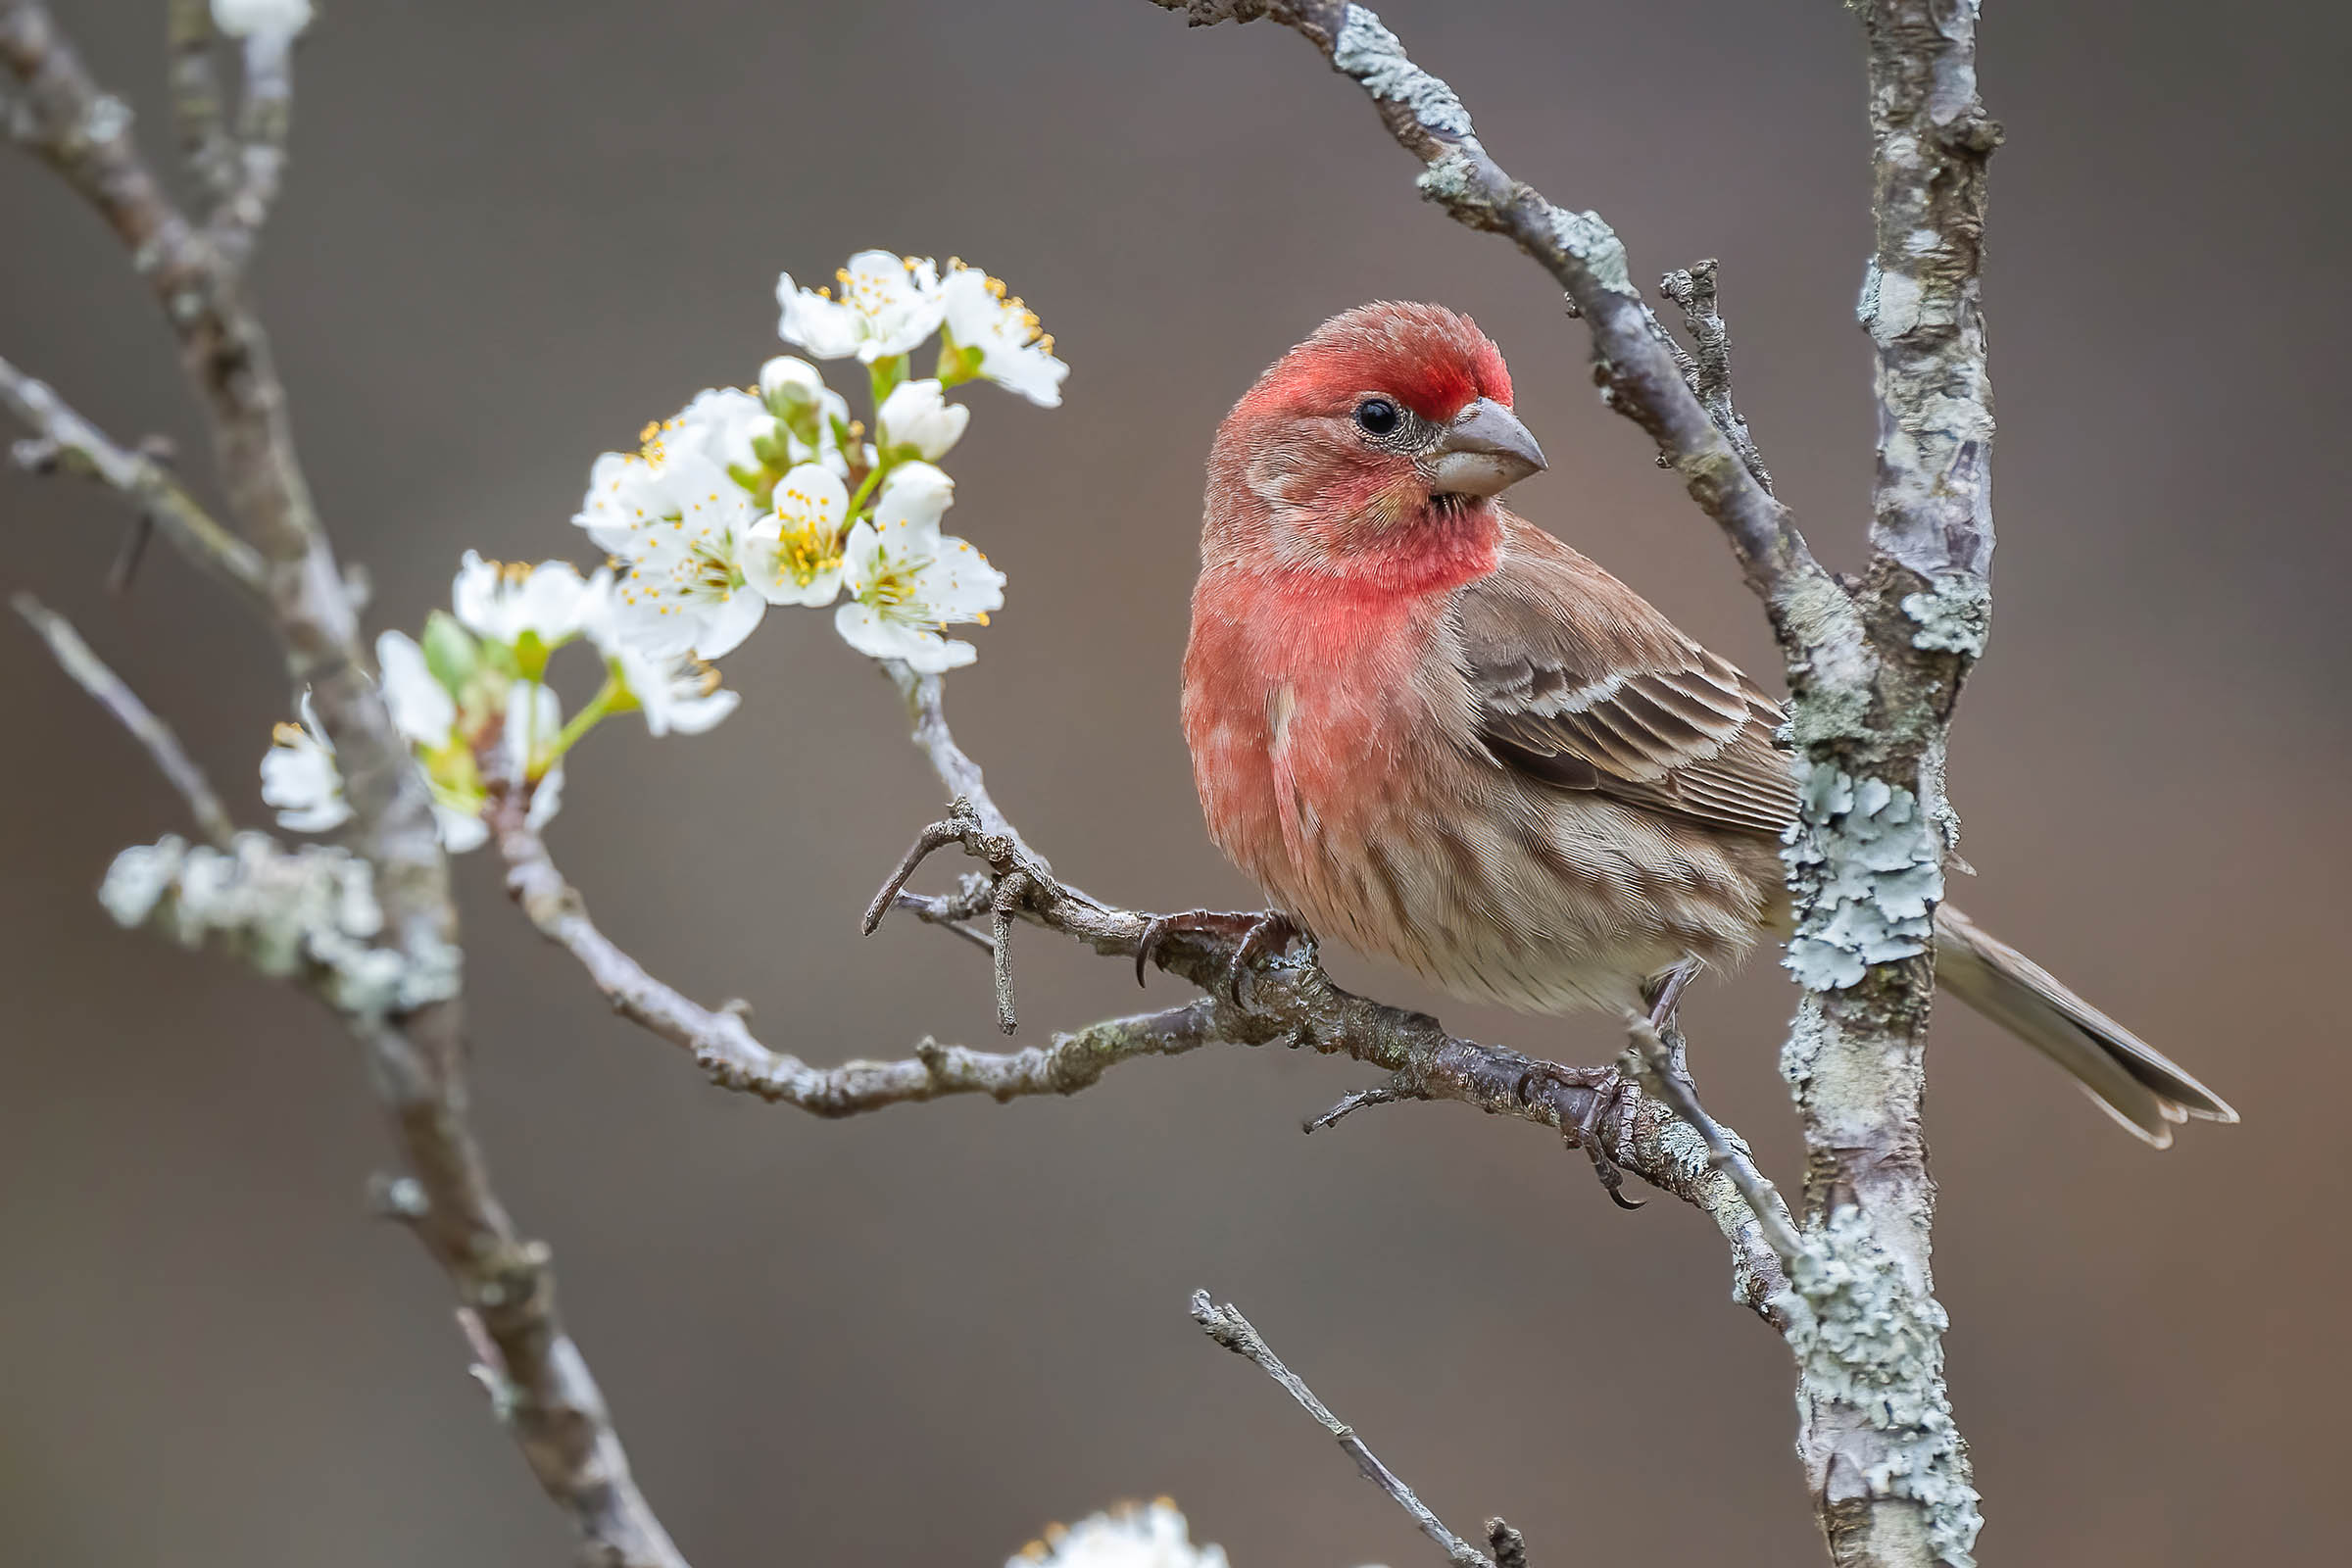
[(1433, 731)]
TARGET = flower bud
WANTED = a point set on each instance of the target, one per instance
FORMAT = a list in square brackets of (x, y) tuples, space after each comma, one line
[(917, 416), (788, 385), (450, 653)]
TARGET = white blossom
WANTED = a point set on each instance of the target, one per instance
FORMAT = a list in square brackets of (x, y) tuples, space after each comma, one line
[(793, 555), (788, 384), (725, 425), (299, 776), (1153, 1536), (917, 416), (679, 584), (907, 582), (421, 707), (243, 19), (1013, 352), (502, 602), (677, 692), (888, 305)]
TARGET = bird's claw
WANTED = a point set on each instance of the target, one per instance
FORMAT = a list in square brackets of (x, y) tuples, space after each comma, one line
[(1257, 934)]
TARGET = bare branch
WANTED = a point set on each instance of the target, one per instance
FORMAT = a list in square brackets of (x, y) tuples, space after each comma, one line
[(1584, 257), (1709, 372), (263, 122), (196, 103), (416, 1057), (92, 675), (63, 439), (1226, 1325)]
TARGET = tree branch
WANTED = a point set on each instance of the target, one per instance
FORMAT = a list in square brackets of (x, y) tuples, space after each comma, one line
[(416, 1057), (63, 439), (113, 694), (263, 122), (1226, 1325), (1709, 373), (1873, 680), (1289, 1001), (1637, 371), (196, 104)]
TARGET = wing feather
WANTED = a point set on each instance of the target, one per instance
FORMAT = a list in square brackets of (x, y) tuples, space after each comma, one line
[(1583, 685)]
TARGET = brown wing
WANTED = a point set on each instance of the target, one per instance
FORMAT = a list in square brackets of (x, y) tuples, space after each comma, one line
[(1583, 685)]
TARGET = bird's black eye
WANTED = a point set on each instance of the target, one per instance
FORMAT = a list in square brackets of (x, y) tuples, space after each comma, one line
[(1377, 415)]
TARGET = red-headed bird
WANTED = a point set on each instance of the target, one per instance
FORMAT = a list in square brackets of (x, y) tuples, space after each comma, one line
[(1432, 731)]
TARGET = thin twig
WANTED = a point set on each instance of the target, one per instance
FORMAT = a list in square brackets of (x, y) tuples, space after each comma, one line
[(1288, 1004), (262, 122), (1226, 1325), (196, 97), (1710, 371), (114, 694), (63, 440)]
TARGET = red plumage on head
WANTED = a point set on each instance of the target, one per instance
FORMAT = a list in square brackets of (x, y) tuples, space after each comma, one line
[(1427, 357)]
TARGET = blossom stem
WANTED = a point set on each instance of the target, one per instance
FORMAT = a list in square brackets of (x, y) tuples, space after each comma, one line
[(883, 377), (607, 696), (866, 486)]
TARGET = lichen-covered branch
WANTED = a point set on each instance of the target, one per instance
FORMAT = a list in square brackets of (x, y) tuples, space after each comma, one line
[(196, 104), (1873, 679), (263, 122), (114, 694), (415, 1046), (1889, 1473), (1708, 371), (1226, 1325), (1636, 369), (1287, 1000)]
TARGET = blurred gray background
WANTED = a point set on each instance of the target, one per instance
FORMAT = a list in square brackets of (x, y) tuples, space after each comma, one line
[(514, 233)]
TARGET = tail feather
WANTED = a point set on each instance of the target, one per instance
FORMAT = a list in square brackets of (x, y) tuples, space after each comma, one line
[(2127, 1078)]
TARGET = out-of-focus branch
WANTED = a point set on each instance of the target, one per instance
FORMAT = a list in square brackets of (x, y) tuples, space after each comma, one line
[(64, 440), (114, 694), (262, 122), (416, 1056), (196, 103), (1226, 1325)]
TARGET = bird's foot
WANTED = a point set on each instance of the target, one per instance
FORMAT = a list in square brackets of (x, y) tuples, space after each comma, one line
[(1609, 1091), (1257, 935)]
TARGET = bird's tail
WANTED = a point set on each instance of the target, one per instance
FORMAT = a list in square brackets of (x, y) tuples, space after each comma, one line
[(2127, 1078)]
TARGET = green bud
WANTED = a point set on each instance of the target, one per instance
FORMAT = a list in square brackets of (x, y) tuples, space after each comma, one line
[(450, 652)]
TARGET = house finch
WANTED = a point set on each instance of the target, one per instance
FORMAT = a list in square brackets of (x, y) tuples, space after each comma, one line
[(1433, 732)]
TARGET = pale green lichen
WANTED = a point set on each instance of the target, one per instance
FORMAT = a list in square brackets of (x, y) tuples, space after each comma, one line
[(1954, 614), (308, 914), (1451, 180), (1874, 1345), (1866, 864), (1595, 243), (1371, 54)]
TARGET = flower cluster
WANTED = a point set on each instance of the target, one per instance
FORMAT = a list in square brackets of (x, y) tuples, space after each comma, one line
[(746, 498), (1128, 1536)]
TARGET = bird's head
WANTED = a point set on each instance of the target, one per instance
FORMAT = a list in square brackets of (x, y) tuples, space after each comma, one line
[(1380, 439)]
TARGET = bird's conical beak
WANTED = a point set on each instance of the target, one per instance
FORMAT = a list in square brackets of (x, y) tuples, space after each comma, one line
[(1484, 452)]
